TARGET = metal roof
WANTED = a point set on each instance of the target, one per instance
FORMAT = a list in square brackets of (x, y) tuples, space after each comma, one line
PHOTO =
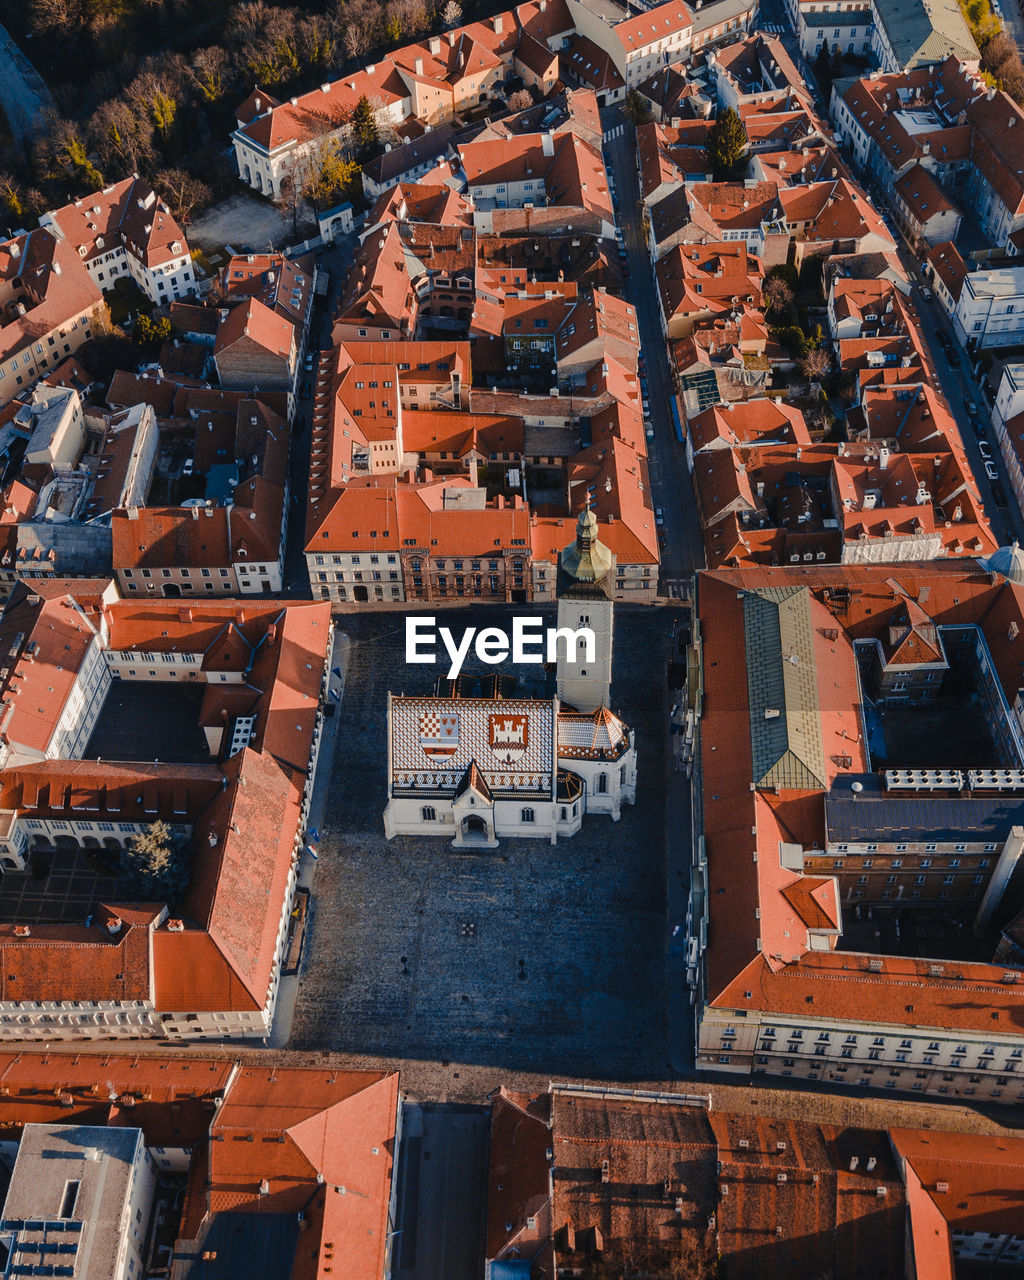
[(782, 686), (921, 32), (884, 818)]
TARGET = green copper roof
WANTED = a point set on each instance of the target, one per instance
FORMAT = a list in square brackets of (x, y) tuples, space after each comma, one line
[(782, 686), (587, 559), (922, 32)]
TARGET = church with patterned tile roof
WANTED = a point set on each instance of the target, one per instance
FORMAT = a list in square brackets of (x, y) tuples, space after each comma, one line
[(478, 769)]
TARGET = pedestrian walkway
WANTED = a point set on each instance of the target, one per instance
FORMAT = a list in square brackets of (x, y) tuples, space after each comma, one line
[(772, 28), (616, 132)]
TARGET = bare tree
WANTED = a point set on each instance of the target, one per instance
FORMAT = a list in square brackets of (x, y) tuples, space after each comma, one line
[(778, 295), (816, 364), (521, 100), (451, 14), (184, 193)]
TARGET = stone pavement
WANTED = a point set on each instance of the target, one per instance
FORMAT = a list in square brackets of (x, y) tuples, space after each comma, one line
[(564, 967)]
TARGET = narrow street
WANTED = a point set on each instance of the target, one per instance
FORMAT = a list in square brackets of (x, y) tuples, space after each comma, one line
[(958, 385), (683, 549), (336, 260)]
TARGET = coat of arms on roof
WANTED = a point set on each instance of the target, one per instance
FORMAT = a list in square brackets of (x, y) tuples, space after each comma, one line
[(508, 735), (439, 734)]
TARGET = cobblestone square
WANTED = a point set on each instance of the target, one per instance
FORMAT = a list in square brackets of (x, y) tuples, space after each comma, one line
[(530, 957)]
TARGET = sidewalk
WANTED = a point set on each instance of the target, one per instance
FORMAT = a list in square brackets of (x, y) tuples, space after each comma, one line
[(281, 1029)]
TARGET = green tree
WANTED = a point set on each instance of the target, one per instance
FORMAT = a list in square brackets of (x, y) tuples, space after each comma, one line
[(636, 108), (154, 866), (11, 200), (151, 851), (164, 110), (151, 333), (364, 124), (329, 178), (726, 144)]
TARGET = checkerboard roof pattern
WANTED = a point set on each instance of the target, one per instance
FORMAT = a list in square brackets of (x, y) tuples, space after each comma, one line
[(416, 723), (598, 734)]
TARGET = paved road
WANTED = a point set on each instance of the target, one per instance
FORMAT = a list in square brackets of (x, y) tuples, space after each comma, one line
[(442, 1192), (23, 92), (336, 260), (683, 549)]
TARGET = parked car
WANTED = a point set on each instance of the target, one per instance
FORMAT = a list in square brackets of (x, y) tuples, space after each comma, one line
[(985, 450), (998, 495), (188, 467), (971, 408), (925, 293), (990, 471), (659, 516), (649, 431), (953, 356)]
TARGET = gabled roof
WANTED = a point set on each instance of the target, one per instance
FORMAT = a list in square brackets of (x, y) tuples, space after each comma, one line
[(785, 720), (474, 780)]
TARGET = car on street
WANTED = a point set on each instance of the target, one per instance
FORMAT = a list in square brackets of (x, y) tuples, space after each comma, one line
[(925, 293), (943, 339), (990, 471), (649, 431), (953, 356), (971, 408), (985, 450), (659, 516), (998, 496)]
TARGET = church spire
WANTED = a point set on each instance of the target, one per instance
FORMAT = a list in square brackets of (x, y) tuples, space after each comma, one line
[(587, 559)]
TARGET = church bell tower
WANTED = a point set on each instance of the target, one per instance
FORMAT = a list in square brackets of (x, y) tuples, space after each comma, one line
[(586, 574)]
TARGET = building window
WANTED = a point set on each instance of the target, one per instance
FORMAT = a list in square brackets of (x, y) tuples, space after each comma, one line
[(526, 815), (428, 814)]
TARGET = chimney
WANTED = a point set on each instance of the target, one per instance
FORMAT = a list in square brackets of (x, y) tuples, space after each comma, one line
[(114, 924), (133, 513), (499, 23), (176, 926), (434, 45), (418, 66)]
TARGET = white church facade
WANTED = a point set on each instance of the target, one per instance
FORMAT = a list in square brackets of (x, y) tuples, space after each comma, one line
[(477, 770)]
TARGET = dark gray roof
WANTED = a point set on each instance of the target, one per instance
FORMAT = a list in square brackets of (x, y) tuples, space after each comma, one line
[(390, 166), (882, 817)]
